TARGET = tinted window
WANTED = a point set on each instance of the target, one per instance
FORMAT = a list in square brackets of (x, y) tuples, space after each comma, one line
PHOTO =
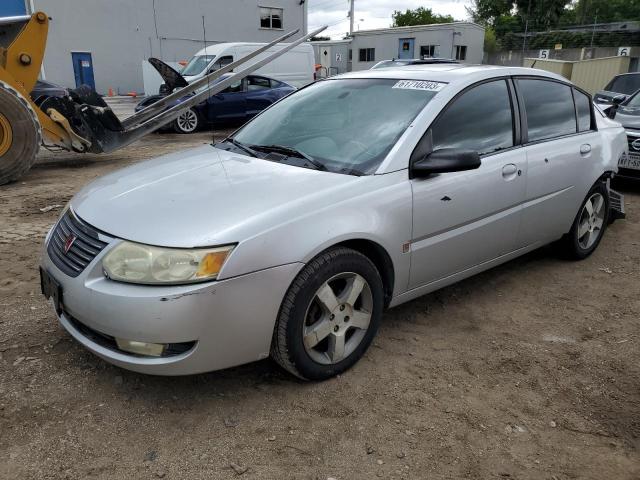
[(478, 120), (626, 84), (583, 105), (258, 83), (549, 107)]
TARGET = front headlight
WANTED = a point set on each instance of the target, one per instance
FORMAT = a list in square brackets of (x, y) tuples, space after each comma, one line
[(137, 263)]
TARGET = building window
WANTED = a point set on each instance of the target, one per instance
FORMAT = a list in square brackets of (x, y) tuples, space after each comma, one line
[(461, 52), (271, 18), (429, 51), (350, 54), (367, 54)]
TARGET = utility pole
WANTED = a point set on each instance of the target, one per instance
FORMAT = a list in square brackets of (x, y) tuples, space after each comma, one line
[(593, 32), (351, 15)]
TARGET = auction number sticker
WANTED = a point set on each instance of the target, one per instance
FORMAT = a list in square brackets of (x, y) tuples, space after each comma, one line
[(420, 85)]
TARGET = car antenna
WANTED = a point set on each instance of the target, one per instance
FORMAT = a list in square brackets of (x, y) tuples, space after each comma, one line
[(204, 38)]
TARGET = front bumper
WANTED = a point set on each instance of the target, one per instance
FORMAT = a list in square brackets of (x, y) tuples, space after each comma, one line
[(231, 321)]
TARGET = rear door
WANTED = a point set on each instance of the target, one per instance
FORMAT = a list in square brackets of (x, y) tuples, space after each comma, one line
[(561, 141), (465, 219)]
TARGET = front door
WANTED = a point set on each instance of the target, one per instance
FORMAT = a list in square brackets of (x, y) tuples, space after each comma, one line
[(83, 69), (464, 219), (405, 48), (228, 105)]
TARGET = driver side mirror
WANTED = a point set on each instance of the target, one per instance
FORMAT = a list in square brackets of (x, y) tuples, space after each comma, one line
[(615, 103), (446, 160)]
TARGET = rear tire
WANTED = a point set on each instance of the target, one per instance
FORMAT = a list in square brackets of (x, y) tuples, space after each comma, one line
[(20, 135), (589, 225), (329, 315), (188, 122)]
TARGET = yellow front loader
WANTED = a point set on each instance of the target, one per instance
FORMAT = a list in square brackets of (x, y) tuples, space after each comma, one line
[(78, 119)]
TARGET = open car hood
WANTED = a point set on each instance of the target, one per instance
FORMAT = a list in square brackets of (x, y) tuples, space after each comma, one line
[(171, 76)]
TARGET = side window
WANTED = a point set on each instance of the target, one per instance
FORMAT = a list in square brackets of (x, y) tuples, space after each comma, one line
[(257, 83), (583, 108), (480, 119), (549, 108), (234, 87)]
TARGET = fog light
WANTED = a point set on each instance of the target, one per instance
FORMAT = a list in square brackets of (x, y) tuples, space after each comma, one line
[(140, 348)]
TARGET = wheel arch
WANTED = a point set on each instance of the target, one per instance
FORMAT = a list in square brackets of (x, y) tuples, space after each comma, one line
[(380, 258)]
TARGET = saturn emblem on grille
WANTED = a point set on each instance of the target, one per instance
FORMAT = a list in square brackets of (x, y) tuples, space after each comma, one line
[(636, 144), (68, 243)]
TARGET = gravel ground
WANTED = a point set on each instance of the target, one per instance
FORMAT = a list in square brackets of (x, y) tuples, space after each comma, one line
[(528, 371)]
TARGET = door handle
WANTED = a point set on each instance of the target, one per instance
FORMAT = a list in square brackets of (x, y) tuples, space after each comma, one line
[(509, 171), (585, 148)]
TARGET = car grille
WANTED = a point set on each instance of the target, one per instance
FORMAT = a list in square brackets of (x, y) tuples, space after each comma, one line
[(631, 139), (73, 244)]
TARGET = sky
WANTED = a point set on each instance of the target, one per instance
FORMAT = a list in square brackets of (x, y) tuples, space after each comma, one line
[(373, 13)]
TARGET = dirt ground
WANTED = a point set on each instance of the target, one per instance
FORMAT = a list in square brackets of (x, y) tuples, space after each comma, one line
[(528, 371)]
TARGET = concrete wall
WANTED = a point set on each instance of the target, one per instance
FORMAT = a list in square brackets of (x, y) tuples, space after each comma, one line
[(386, 41), (556, 66), (593, 75), (590, 75), (121, 33), (516, 57)]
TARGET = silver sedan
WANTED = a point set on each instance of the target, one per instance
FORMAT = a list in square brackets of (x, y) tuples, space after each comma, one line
[(355, 194)]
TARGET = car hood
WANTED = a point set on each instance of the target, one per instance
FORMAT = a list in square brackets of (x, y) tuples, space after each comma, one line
[(203, 197), (629, 117)]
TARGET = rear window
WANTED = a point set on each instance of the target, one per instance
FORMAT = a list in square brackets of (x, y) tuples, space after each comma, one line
[(626, 84), (583, 107)]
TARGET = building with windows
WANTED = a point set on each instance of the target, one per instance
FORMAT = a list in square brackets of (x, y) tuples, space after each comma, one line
[(103, 43), (463, 41)]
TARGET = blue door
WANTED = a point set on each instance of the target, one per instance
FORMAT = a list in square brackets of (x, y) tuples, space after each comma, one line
[(12, 8), (405, 47), (83, 69), (228, 105)]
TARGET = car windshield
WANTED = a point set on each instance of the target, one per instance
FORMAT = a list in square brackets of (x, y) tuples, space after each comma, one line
[(197, 64), (346, 125), (633, 101), (626, 84)]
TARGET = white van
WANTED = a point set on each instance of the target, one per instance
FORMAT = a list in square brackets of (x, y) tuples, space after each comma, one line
[(296, 67)]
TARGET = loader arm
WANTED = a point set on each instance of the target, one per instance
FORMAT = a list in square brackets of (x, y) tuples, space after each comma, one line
[(80, 120)]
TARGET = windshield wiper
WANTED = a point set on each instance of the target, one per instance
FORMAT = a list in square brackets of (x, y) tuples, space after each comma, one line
[(291, 152), (242, 147)]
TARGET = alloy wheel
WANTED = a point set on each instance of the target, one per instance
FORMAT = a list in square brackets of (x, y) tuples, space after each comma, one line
[(591, 221), (188, 121), (337, 318)]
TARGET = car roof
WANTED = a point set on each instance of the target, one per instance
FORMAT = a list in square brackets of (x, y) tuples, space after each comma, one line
[(449, 72)]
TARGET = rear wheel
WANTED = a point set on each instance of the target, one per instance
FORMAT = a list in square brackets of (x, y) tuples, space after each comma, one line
[(589, 225), (188, 122), (19, 134), (329, 315)]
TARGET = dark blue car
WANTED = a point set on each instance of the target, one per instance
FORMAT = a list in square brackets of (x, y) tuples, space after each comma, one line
[(234, 105)]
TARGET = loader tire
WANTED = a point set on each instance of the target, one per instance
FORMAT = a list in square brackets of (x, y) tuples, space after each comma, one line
[(20, 134)]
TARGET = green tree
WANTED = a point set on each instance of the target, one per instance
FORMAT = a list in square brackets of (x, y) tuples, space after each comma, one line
[(419, 16), (586, 11)]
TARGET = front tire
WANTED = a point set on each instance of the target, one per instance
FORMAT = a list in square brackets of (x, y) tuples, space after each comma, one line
[(188, 122), (589, 225), (329, 315)]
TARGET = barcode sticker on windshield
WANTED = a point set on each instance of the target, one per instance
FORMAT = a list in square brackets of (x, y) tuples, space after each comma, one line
[(420, 85)]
